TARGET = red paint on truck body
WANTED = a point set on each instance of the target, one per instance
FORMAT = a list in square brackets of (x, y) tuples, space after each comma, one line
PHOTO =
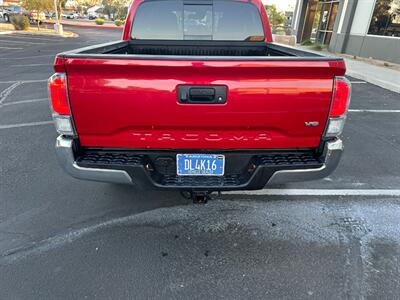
[(133, 103)]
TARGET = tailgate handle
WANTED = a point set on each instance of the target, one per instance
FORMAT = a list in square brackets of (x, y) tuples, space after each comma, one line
[(202, 94)]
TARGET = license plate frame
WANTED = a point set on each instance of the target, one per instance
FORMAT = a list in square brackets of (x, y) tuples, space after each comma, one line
[(197, 164)]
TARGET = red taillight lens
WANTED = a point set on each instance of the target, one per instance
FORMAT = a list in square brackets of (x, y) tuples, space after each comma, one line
[(341, 97), (58, 94)]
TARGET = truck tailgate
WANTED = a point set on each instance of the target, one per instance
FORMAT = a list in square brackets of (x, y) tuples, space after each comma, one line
[(271, 104)]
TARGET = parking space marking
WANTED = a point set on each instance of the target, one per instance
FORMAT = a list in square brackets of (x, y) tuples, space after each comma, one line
[(30, 65), (25, 124), (358, 82), (376, 110), (11, 48), (24, 101), (4, 94), (28, 57), (25, 81), (320, 192)]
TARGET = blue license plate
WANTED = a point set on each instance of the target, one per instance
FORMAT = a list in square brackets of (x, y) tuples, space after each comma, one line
[(200, 164)]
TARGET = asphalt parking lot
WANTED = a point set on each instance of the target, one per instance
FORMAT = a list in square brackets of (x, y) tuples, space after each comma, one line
[(60, 238)]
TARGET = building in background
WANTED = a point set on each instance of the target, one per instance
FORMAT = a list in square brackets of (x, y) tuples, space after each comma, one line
[(368, 28), (9, 2)]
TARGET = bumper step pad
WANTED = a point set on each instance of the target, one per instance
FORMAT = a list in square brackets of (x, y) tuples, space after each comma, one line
[(161, 168)]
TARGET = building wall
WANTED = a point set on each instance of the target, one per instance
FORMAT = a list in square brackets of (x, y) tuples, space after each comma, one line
[(362, 17), (299, 18), (352, 35)]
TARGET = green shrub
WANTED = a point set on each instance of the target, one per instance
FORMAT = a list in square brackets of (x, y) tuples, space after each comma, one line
[(386, 64), (307, 43), (318, 47), (119, 22), (20, 22), (99, 21)]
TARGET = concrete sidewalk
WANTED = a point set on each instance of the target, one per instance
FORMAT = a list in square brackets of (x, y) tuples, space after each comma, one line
[(381, 76), (369, 70)]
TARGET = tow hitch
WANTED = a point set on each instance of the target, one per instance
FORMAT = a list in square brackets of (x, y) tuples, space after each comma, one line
[(198, 197)]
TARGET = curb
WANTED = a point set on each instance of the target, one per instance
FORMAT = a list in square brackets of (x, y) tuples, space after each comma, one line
[(73, 34), (89, 25)]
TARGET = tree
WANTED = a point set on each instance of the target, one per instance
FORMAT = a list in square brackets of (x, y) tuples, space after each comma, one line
[(83, 5), (275, 17), (38, 6), (115, 9), (88, 3), (60, 6)]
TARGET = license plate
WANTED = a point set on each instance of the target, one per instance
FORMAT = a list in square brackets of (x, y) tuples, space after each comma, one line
[(200, 164)]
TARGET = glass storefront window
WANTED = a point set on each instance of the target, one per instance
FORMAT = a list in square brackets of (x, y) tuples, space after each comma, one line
[(324, 16), (332, 16), (386, 18), (319, 20), (327, 11)]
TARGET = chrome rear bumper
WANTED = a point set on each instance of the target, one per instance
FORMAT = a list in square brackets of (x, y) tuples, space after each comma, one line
[(65, 150), (332, 153), (66, 157)]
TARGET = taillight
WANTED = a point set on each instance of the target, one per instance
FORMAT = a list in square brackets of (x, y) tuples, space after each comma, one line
[(341, 97), (340, 104), (58, 94), (60, 105)]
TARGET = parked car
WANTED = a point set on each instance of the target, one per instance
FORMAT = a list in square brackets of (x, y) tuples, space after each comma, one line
[(2, 12), (12, 10), (93, 16), (200, 101), (80, 16), (49, 14), (35, 16), (70, 15)]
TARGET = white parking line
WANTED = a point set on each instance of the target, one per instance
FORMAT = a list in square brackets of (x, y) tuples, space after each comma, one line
[(25, 124), (358, 82), (30, 65), (376, 110), (319, 192), (4, 94), (28, 57), (24, 101), (25, 81), (11, 48)]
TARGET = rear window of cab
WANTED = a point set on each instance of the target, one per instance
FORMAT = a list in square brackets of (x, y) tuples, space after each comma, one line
[(176, 20)]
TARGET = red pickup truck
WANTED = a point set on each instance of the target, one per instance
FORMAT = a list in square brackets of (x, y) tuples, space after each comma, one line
[(197, 97)]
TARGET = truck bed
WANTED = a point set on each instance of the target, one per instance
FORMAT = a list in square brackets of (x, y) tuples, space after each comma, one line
[(125, 100), (189, 50)]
